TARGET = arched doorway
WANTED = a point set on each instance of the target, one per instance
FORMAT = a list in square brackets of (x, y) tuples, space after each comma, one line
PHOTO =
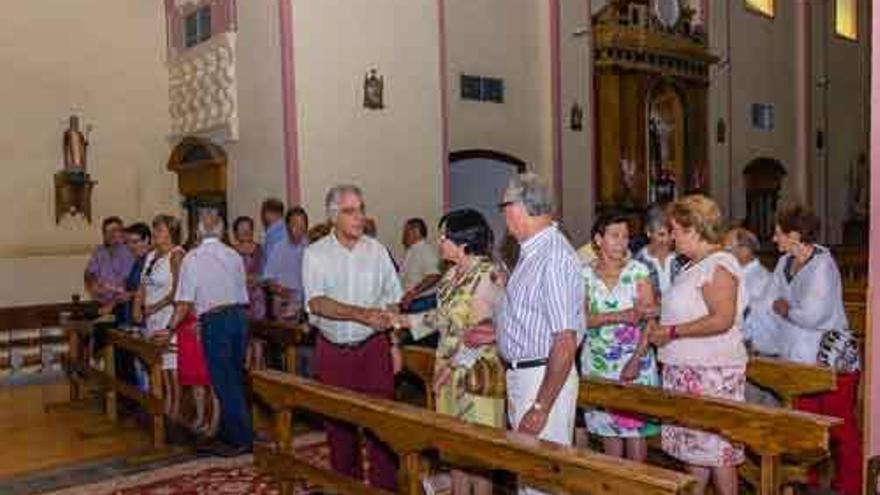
[(477, 179), (201, 177), (763, 179)]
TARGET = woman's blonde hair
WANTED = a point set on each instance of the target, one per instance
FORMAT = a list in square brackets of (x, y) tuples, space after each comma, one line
[(701, 214)]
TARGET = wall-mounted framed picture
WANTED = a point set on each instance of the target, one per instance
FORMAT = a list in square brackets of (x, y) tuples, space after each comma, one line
[(762, 116)]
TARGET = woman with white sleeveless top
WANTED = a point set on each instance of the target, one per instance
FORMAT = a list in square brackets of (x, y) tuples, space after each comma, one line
[(155, 302), (700, 339)]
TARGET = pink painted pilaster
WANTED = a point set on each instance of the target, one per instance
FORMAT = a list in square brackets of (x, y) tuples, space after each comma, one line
[(872, 346), (556, 100), (444, 99), (288, 100), (803, 94), (173, 29)]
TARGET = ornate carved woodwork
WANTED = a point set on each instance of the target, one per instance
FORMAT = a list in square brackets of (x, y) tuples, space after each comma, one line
[(651, 83)]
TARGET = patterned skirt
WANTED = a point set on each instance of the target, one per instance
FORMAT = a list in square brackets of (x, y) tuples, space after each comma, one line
[(696, 447)]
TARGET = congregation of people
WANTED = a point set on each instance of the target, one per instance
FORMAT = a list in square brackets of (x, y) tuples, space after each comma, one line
[(679, 304)]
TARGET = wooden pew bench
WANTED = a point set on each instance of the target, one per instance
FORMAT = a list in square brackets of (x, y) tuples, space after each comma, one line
[(81, 373), (286, 335), (771, 433), (411, 431)]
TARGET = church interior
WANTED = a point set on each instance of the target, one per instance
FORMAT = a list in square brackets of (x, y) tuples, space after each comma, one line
[(162, 113)]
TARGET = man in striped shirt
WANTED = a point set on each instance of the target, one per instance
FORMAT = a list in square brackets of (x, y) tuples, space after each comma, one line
[(540, 317)]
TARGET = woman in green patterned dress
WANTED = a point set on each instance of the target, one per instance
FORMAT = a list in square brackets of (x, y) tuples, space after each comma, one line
[(466, 297), (619, 299)]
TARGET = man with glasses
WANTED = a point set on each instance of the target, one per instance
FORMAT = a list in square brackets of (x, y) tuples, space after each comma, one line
[(540, 317), (349, 282)]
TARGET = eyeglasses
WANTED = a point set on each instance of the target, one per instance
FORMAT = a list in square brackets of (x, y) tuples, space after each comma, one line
[(351, 211)]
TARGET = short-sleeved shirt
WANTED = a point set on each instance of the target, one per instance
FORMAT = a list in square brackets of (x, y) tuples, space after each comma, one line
[(212, 275), (422, 259), (544, 296), (363, 276), (684, 303), (111, 265), (275, 234), (284, 264)]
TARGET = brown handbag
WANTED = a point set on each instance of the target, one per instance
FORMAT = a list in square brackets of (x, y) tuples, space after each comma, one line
[(486, 378)]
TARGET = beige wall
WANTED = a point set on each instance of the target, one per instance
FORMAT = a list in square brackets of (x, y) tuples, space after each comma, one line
[(509, 39), (841, 107), (759, 67), (104, 61), (577, 146), (395, 154), (762, 70), (256, 160)]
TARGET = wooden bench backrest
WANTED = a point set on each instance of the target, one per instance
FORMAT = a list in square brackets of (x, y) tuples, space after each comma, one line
[(410, 431), (765, 430), (35, 316), (789, 380)]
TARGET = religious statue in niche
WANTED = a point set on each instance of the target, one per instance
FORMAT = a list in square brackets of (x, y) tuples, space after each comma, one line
[(374, 88), (73, 186), (76, 146), (577, 117), (662, 187), (666, 154)]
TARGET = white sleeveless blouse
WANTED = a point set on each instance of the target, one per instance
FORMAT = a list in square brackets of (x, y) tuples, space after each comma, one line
[(158, 282), (684, 303)]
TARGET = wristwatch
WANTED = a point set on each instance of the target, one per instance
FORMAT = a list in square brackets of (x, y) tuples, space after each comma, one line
[(537, 406)]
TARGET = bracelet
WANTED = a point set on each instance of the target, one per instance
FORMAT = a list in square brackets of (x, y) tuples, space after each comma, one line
[(673, 333)]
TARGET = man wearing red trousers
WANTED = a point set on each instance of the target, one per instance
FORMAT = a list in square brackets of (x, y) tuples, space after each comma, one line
[(349, 280)]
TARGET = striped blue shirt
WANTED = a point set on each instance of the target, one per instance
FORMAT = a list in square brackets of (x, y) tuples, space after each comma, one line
[(544, 296)]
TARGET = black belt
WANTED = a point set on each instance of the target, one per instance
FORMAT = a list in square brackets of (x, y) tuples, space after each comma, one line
[(525, 363)]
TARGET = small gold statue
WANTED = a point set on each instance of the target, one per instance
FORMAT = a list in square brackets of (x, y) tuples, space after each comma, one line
[(75, 147)]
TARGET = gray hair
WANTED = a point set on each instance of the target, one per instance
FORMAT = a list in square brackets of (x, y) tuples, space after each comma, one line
[(210, 223), (331, 201), (532, 192), (655, 218), (747, 239)]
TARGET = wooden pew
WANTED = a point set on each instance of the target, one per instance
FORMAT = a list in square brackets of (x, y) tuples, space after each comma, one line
[(789, 380), (411, 431), (41, 324), (81, 373), (287, 335), (769, 432)]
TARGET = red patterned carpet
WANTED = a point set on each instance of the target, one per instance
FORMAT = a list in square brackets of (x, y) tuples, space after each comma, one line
[(206, 476)]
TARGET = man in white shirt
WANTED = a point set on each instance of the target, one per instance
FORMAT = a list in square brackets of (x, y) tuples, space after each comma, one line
[(744, 245), (349, 282), (213, 283), (421, 265)]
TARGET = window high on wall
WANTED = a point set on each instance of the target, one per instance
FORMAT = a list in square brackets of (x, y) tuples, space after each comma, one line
[(846, 18), (197, 26), (763, 7)]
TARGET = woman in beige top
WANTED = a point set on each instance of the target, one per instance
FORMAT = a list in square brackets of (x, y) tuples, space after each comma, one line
[(699, 338)]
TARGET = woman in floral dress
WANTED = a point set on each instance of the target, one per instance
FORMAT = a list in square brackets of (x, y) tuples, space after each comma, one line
[(466, 297), (619, 298)]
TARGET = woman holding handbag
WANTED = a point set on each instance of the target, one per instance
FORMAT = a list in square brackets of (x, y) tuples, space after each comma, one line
[(468, 375)]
